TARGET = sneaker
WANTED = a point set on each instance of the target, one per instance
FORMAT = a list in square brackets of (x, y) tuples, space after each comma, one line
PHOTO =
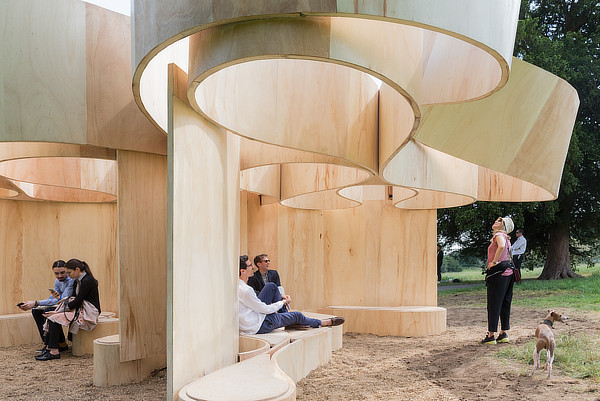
[(502, 338), (489, 340)]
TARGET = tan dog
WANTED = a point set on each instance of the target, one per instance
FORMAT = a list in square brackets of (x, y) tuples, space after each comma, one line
[(545, 339)]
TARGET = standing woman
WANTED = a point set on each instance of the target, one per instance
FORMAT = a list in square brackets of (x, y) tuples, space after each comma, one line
[(499, 279), (80, 311)]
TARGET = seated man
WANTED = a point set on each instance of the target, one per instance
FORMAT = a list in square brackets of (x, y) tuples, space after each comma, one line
[(258, 314), (63, 287), (263, 275)]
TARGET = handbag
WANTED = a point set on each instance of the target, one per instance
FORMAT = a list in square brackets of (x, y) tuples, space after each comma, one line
[(516, 272)]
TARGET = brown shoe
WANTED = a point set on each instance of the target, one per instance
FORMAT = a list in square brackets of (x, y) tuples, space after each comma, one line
[(297, 327), (337, 320)]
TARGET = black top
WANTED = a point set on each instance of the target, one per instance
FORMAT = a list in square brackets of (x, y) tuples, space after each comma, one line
[(257, 283), (87, 292)]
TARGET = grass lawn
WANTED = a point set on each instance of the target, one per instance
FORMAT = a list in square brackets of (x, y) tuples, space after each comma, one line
[(577, 355)]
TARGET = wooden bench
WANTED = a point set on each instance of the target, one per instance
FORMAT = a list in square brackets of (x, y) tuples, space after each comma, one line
[(269, 375), (109, 370), (250, 347), (83, 341), (406, 321), (18, 329)]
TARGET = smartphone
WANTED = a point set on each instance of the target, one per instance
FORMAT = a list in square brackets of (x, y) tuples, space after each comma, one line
[(21, 304), (51, 289)]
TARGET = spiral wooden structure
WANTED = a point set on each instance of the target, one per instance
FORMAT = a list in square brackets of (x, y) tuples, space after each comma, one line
[(325, 133)]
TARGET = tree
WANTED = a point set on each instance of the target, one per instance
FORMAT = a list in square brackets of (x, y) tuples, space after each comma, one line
[(562, 37)]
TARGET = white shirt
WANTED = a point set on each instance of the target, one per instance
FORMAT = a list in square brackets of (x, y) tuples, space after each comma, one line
[(519, 247), (252, 311)]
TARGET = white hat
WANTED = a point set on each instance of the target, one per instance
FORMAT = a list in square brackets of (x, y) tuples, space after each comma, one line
[(508, 224)]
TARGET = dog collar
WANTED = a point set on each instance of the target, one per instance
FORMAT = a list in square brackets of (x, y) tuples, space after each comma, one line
[(548, 322)]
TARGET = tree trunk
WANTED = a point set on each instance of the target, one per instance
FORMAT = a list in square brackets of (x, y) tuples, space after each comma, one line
[(558, 262)]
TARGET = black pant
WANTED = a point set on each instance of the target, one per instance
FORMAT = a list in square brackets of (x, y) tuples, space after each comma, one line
[(55, 335), (38, 316), (517, 260), (499, 298)]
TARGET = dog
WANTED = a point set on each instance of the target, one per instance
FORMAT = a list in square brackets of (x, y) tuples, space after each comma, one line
[(545, 339)]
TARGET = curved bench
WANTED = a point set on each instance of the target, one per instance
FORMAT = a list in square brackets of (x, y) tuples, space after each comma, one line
[(269, 375), (109, 370), (83, 341), (254, 379), (405, 321), (18, 329), (250, 347)]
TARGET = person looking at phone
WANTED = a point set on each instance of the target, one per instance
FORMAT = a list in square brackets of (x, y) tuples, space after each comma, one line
[(63, 288), (80, 311)]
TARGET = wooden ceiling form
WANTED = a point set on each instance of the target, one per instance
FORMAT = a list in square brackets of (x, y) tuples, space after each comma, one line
[(456, 119)]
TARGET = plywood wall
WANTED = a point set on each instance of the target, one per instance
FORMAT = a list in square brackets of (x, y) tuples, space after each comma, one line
[(142, 204), (35, 234), (203, 250), (372, 255)]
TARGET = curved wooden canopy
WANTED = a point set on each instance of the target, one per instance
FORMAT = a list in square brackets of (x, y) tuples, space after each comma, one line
[(449, 124)]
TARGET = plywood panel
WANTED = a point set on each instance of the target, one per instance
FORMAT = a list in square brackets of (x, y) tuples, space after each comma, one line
[(204, 246), (142, 204), (43, 58), (113, 118), (300, 252), (373, 255), (11, 257), (35, 234), (263, 229)]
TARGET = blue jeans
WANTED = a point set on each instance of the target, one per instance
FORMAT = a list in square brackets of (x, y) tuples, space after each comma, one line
[(269, 295)]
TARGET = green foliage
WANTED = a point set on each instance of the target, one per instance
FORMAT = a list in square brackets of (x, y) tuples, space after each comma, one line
[(562, 37)]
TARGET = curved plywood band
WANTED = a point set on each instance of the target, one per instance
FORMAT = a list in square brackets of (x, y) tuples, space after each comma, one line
[(63, 179), (504, 131), (488, 24), (418, 166), (425, 65), (262, 180), (305, 105), (23, 150)]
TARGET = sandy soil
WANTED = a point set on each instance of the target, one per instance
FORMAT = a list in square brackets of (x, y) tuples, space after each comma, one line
[(451, 366)]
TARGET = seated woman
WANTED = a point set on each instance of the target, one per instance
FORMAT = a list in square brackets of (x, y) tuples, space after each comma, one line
[(80, 311)]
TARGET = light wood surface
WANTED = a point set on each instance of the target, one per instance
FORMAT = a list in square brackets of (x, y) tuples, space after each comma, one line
[(35, 234), (298, 358), (251, 347), (113, 118), (110, 371), (253, 379), (203, 245), (43, 72), (406, 321), (142, 207), (18, 329), (83, 341)]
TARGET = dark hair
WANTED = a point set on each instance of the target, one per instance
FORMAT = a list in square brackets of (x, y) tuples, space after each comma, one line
[(58, 263), (83, 267), (259, 258), (519, 231), (243, 260)]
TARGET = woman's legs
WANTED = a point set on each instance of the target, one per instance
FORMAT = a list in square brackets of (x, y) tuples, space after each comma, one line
[(499, 297), (506, 303)]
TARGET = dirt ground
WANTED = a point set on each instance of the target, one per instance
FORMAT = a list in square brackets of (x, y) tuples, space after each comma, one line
[(450, 366)]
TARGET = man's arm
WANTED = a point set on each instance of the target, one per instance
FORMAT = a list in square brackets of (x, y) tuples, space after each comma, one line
[(50, 300), (275, 277), (250, 300)]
